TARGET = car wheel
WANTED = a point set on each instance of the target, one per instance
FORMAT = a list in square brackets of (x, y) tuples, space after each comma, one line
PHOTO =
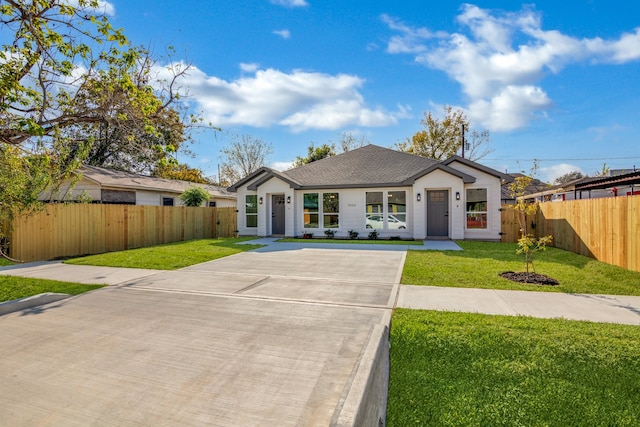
[(368, 226), (402, 227)]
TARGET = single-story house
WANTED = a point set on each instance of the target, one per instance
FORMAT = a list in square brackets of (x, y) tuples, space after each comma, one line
[(109, 186), (374, 188), (536, 186), (616, 183)]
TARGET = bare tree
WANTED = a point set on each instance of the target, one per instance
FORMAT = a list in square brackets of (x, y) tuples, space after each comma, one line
[(244, 155)]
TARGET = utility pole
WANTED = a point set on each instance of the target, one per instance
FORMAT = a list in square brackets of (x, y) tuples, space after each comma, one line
[(463, 140)]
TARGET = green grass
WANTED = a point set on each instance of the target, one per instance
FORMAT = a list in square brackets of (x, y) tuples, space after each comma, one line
[(4, 262), (356, 241), (459, 369), (170, 256), (20, 287), (480, 263)]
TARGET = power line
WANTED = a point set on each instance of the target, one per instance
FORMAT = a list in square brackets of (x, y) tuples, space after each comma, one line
[(566, 160)]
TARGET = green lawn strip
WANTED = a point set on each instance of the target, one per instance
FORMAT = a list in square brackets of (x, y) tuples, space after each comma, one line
[(479, 264), (355, 241), (5, 262), (170, 256), (13, 287), (459, 369)]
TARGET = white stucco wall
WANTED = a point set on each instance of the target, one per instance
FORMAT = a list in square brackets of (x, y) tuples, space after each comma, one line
[(270, 188), (439, 180), (492, 184), (352, 212)]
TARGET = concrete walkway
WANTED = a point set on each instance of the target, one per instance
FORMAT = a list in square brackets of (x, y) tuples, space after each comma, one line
[(594, 308)]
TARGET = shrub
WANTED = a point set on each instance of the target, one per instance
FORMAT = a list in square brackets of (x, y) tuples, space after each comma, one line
[(353, 235), (329, 233), (373, 235), (194, 196)]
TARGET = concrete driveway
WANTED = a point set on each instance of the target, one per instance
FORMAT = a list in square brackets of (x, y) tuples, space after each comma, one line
[(281, 337)]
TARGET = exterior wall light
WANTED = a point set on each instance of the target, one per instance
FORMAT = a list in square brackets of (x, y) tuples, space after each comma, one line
[(288, 199), (260, 200), (418, 197), (457, 195)]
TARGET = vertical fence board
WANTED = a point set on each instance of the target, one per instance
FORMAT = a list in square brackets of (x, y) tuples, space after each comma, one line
[(607, 229), (82, 229)]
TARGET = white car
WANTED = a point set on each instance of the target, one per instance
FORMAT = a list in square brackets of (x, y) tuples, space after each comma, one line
[(393, 223)]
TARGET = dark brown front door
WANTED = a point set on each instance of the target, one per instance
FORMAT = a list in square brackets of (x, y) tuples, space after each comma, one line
[(438, 213), (277, 214)]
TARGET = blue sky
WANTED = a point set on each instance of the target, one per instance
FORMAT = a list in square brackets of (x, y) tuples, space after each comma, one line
[(554, 80)]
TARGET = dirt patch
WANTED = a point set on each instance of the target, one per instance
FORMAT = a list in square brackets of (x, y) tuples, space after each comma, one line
[(532, 278)]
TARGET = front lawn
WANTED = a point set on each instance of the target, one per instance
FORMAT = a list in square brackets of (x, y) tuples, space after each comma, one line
[(479, 264), (355, 241), (12, 287), (170, 256), (461, 369)]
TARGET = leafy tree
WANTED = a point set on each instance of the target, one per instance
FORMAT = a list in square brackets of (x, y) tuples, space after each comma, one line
[(315, 153), (442, 138), (528, 245), (244, 155), (65, 72), (133, 139), (604, 171), (181, 172), (195, 196), (568, 177)]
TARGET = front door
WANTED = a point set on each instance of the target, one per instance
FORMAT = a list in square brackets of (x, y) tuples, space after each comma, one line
[(277, 214), (438, 213)]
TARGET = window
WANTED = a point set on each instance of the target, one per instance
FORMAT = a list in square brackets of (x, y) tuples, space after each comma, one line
[(212, 203), (395, 215), (331, 210), (477, 208), (167, 201), (396, 210), (251, 210), (310, 210)]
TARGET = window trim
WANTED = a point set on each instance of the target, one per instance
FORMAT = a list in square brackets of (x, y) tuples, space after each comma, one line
[(385, 212), (485, 212), (252, 214), (320, 212)]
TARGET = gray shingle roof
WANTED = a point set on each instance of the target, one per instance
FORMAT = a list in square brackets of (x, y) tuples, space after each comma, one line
[(119, 179), (366, 166)]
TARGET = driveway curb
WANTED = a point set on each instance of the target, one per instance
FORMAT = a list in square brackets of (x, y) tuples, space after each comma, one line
[(30, 302)]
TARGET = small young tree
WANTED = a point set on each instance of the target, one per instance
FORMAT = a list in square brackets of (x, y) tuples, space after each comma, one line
[(195, 196), (527, 243)]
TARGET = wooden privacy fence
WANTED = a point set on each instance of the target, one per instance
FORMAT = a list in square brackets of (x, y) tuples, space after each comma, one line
[(607, 229), (82, 229)]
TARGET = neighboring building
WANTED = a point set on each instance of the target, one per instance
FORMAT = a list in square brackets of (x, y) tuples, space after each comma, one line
[(102, 185), (617, 183), (536, 186), (395, 193)]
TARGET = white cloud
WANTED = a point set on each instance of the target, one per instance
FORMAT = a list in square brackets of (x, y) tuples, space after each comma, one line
[(281, 166), (103, 7), (500, 58), (298, 100), (550, 173), (249, 67), (285, 34), (290, 3)]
